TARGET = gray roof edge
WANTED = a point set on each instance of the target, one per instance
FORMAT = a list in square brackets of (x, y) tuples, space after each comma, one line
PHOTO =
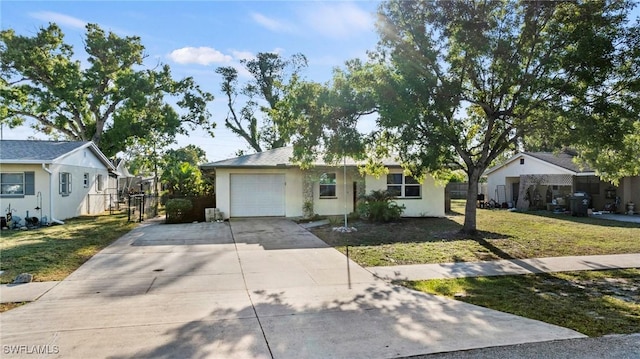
[(25, 162)]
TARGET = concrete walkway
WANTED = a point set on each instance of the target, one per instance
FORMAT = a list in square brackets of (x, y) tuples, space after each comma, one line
[(506, 267), (259, 288)]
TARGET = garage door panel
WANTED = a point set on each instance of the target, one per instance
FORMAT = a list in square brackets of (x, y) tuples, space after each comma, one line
[(257, 195)]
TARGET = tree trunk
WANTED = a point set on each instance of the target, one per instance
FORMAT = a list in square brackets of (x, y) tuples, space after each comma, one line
[(469, 226)]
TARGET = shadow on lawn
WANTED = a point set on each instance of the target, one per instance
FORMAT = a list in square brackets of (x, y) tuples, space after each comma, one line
[(593, 303), (583, 220), (407, 230)]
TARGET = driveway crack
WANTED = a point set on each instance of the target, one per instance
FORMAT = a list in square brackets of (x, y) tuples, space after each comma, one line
[(151, 285)]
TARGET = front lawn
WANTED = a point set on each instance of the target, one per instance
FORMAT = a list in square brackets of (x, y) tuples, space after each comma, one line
[(503, 235), (594, 303), (52, 253)]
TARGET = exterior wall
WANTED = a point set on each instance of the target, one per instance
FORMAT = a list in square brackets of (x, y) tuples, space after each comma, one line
[(431, 204), (82, 200), (629, 191), (510, 173), (336, 205), (20, 205), (293, 188)]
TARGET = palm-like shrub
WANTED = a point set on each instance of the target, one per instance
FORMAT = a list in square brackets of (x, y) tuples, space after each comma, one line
[(380, 206)]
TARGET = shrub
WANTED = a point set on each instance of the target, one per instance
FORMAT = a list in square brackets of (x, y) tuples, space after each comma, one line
[(380, 206), (176, 209)]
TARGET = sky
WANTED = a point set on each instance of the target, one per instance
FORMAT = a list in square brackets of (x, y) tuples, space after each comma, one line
[(196, 37)]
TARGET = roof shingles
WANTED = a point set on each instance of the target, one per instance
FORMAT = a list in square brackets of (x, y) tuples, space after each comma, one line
[(32, 151)]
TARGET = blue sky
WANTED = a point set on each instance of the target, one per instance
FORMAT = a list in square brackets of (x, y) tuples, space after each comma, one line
[(196, 37)]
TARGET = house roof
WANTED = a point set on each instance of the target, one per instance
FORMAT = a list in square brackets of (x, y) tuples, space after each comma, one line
[(32, 151), (563, 160), (278, 157)]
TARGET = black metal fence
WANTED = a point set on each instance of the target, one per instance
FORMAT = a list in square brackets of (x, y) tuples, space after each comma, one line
[(141, 206)]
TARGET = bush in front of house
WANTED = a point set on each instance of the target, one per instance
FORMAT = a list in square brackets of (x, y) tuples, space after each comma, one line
[(380, 206), (177, 210)]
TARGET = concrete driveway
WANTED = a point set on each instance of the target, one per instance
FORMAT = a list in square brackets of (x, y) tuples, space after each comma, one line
[(252, 288)]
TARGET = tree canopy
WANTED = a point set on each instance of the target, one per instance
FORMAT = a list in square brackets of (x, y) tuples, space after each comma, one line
[(457, 84), (469, 80), (322, 119), (255, 121), (180, 173), (112, 99)]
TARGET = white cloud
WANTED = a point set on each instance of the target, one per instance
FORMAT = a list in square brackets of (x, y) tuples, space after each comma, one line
[(60, 19), (271, 24), (337, 20), (198, 55), (243, 55)]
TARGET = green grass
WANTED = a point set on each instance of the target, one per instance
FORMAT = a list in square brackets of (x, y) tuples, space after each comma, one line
[(502, 235), (594, 303), (52, 253)]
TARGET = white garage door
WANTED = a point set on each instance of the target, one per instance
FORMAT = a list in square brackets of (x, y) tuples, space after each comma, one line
[(257, 195)]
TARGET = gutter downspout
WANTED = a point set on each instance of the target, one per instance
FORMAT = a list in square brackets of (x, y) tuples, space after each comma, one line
[(51, 218)]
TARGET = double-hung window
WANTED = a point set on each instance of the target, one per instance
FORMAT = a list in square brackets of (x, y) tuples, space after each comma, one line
[(403, 186), (328, 185), (12, 183), (65, 183), (17, 184)]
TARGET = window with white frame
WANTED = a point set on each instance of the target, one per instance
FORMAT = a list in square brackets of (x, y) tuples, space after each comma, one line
[(65, 183), (12, 183), (17, 184), (403, 186), (99, 184), (85, 180), (328, 185)]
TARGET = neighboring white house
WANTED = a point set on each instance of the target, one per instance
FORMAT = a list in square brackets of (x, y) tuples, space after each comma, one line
[(539, 178), (268, 184), (54, 179)]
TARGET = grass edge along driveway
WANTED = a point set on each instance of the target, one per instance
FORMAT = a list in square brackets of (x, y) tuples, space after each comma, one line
[(594, 303), (52, 253)]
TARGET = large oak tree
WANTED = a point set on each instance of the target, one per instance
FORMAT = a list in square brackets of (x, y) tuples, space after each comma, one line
[(468, 80), (112, 99)]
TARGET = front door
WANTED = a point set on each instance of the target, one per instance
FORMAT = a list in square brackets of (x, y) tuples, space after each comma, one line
[(515, 190)]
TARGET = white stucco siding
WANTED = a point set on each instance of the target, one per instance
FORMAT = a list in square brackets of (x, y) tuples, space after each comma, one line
[(92, 199), (81, 200), (334, 206), (293, 188), (430, 204), (20, 205)]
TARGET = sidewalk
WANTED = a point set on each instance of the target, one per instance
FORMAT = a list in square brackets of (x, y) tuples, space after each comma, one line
[(24, 292), (506, 267), (14, 293)]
